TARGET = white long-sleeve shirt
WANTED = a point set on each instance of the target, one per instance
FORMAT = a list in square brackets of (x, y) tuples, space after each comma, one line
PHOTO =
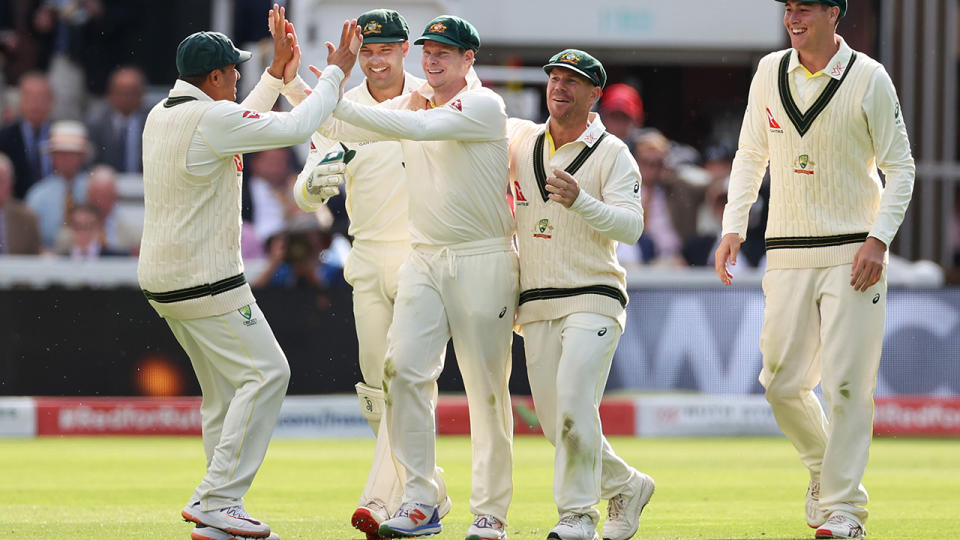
[(826, 195), (568, 260), (456, 161), (190, 264)]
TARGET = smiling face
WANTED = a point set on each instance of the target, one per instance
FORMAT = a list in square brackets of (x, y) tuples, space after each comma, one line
[(810, 25), (445, 66), (382, 63), (570, 95)]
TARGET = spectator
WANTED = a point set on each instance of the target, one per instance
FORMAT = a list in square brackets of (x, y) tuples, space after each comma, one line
[(270, 191), (86, 235), (121, 231), (295, 256), (621, 110), (19, 234), (53, 197), (651, 150), (23, 140), (116, 127)]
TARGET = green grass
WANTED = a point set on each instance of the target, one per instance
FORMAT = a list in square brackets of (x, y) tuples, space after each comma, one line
[(106, 488)]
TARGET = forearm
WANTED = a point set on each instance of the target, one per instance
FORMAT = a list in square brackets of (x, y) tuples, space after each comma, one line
[(438, 124), (622, 222), (264, 94)]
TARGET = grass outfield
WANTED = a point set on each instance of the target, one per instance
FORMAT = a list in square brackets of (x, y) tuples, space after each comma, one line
[(133, 488)]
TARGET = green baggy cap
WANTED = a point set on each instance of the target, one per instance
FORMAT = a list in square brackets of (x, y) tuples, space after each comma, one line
[(383, 26), (451, 30), (842, 4), (203, 52), (581, 62)]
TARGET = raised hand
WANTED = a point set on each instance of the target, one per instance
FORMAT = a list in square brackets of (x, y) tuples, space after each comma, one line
[(283, 42), (345, 56)]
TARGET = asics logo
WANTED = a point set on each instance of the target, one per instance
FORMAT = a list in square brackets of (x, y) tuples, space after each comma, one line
[(504, 312), (602, 332), (876, 298), (416, 516)]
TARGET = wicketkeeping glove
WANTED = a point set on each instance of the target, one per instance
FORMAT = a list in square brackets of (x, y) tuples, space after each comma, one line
[(319, 182)]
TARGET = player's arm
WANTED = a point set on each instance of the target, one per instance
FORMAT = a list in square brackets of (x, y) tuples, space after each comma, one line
[(472, 117), (618, 214), (892, 148), (749, 164)]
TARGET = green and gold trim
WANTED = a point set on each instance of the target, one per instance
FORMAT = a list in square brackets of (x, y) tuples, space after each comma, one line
[(792, 242), (199, 291), (174, 101), (551, 293), (540, 173), (803, 121)]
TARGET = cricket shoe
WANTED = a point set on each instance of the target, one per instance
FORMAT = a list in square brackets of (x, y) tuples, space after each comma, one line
[(815, 516), (574, 527), (486, 527), (211, 533), (412, 519), (233, 520), (368, 517), (445, 506), (842, 525), (624, 509)]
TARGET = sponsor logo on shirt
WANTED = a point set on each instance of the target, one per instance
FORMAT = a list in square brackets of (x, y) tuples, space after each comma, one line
[(837, 70), (801, 164), (772, 122), (457, 105), (238, 163), (251, 114), (543, 229), (520, 200)]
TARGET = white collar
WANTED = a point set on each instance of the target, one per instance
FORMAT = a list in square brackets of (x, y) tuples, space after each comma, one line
[(837, 65)]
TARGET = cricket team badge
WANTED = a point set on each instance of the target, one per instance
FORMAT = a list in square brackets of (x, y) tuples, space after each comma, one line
[(543, 229), (372, 27), (437, 28), (247, 315), (803, 164), (570, 58)]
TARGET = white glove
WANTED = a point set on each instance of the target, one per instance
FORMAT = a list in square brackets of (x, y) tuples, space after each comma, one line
[(317, 183)]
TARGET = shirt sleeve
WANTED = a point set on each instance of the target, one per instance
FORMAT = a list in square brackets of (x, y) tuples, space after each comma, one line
[(471, 117), (619, 215), (264, 94), (295, 91), (228, 128), (892, 148), (749, 163)]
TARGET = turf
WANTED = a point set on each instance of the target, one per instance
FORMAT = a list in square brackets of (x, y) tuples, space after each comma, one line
[(133, 488)]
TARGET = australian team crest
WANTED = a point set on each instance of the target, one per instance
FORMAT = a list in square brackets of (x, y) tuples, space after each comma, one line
[(437, 28), (247, 314), (570, 58), (372, 27), (803, 164), (543, 229)]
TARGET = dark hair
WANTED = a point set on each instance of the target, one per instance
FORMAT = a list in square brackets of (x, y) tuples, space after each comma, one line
[(197, 80)]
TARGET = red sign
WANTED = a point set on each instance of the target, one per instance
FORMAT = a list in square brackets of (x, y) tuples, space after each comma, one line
[(917, 416), (453, 416), (118, 416)]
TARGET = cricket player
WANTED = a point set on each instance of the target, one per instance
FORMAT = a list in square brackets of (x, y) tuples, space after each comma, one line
[(573, 290), (459, 281), (190, 268), (824, 117), (377, 203)]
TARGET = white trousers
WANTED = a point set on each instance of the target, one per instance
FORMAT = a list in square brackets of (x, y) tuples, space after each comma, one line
[(568, 361), (469, 293), (243, 375), (818, 329), (371, 270)]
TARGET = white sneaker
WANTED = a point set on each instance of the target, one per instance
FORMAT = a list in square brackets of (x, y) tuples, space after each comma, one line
[(815, 516), (209, 533), (233, 520), (842, 525), (574, 527), (368, 517), (486, 527), (412, 519), (624, 509)]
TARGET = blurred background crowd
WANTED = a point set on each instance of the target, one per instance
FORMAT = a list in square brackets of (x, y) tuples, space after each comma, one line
[(79, 76)]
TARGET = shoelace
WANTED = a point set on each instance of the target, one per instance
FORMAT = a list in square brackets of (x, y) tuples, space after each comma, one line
[(572, 519), (487, 522), (814, 490), (615, 507)]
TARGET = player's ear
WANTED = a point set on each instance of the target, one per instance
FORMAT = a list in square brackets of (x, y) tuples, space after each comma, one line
[(469, 56), (406, 48)]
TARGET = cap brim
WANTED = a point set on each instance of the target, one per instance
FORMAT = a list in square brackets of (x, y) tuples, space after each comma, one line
[(548, 67), (442, 39), (384, 40), (243, 56)]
